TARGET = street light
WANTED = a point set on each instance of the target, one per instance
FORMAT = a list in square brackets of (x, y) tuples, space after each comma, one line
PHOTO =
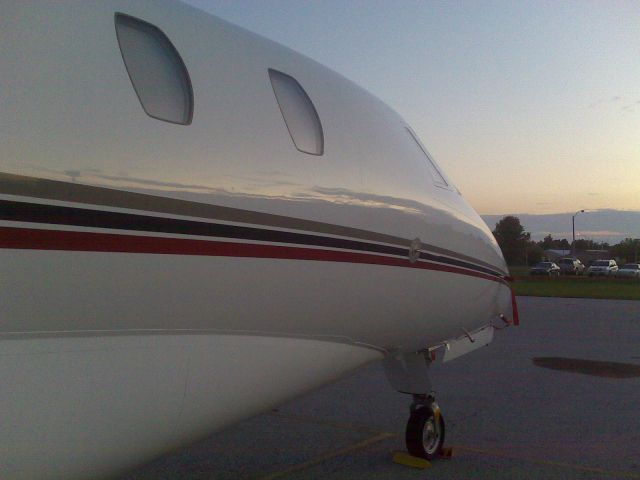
[(573, 223)]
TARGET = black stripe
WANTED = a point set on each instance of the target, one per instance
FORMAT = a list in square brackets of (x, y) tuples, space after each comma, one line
[(53, 214), (81, 217), (457, 263)]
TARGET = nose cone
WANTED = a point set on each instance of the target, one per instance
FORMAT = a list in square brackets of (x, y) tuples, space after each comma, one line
[(482, 243)]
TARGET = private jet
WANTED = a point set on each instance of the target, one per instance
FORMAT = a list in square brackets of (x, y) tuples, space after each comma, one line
[(198, 224)]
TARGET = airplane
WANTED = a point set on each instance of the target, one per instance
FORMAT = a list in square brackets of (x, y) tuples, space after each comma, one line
[(198, 224)]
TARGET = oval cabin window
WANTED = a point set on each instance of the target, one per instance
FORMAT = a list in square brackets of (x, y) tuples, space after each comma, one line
[(300, 116), (157, 72)]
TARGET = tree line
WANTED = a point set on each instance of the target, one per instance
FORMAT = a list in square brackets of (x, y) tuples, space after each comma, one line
[(518, 248)]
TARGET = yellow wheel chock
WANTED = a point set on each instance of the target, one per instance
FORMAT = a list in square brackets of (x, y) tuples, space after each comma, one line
[(407, 460)]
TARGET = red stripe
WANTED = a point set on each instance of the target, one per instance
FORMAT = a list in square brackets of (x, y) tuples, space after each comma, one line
[(514, 308), (34, 239)]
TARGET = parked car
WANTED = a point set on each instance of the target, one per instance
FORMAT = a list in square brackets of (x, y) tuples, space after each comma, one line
[(571, 266), (602, 267), (629, 270), (545, 268)]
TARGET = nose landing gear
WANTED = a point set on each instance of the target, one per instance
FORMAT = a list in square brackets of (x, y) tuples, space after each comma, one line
[(424, 434), (409, 373)]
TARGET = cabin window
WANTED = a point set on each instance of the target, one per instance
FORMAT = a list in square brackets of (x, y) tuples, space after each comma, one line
[(300, 116), (158, 74), (438, 178)]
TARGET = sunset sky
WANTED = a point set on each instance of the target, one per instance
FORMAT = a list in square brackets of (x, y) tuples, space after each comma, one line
[(530, 107)]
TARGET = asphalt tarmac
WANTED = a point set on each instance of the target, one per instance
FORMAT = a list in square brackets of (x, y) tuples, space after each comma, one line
[(556, 397)]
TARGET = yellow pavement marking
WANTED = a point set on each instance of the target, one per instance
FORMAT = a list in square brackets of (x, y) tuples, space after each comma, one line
[(381, 435), (330, 455), (493, 453)]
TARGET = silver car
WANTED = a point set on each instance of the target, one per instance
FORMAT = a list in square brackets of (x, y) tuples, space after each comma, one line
[(629, 270), (602, 267)]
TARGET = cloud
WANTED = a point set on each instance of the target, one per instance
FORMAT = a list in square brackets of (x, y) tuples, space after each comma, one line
[(580, 234), (599, 233), (617, 99), (604, 101), (605, 224), (631, 106)]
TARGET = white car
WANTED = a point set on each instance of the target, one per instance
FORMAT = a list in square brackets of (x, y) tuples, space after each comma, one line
[(602, 267), (629, 270)]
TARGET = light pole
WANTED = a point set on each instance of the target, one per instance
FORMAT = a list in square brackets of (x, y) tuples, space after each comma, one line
[(573, 224)]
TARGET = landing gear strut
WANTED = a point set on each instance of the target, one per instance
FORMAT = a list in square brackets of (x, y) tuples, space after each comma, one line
[(424, 435), (409, 373)]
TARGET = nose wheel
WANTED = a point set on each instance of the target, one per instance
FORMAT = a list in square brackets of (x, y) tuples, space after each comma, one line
[(424, 435)]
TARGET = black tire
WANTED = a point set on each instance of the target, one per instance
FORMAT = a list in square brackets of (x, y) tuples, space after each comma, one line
[(424, 443)]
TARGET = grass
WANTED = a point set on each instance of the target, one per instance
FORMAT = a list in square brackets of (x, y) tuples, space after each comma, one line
[(574, 287)]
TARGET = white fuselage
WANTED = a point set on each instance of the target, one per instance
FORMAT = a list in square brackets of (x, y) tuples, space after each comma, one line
[(160, 281)]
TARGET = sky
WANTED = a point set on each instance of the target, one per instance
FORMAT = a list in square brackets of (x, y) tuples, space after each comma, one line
[(529, 107)]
